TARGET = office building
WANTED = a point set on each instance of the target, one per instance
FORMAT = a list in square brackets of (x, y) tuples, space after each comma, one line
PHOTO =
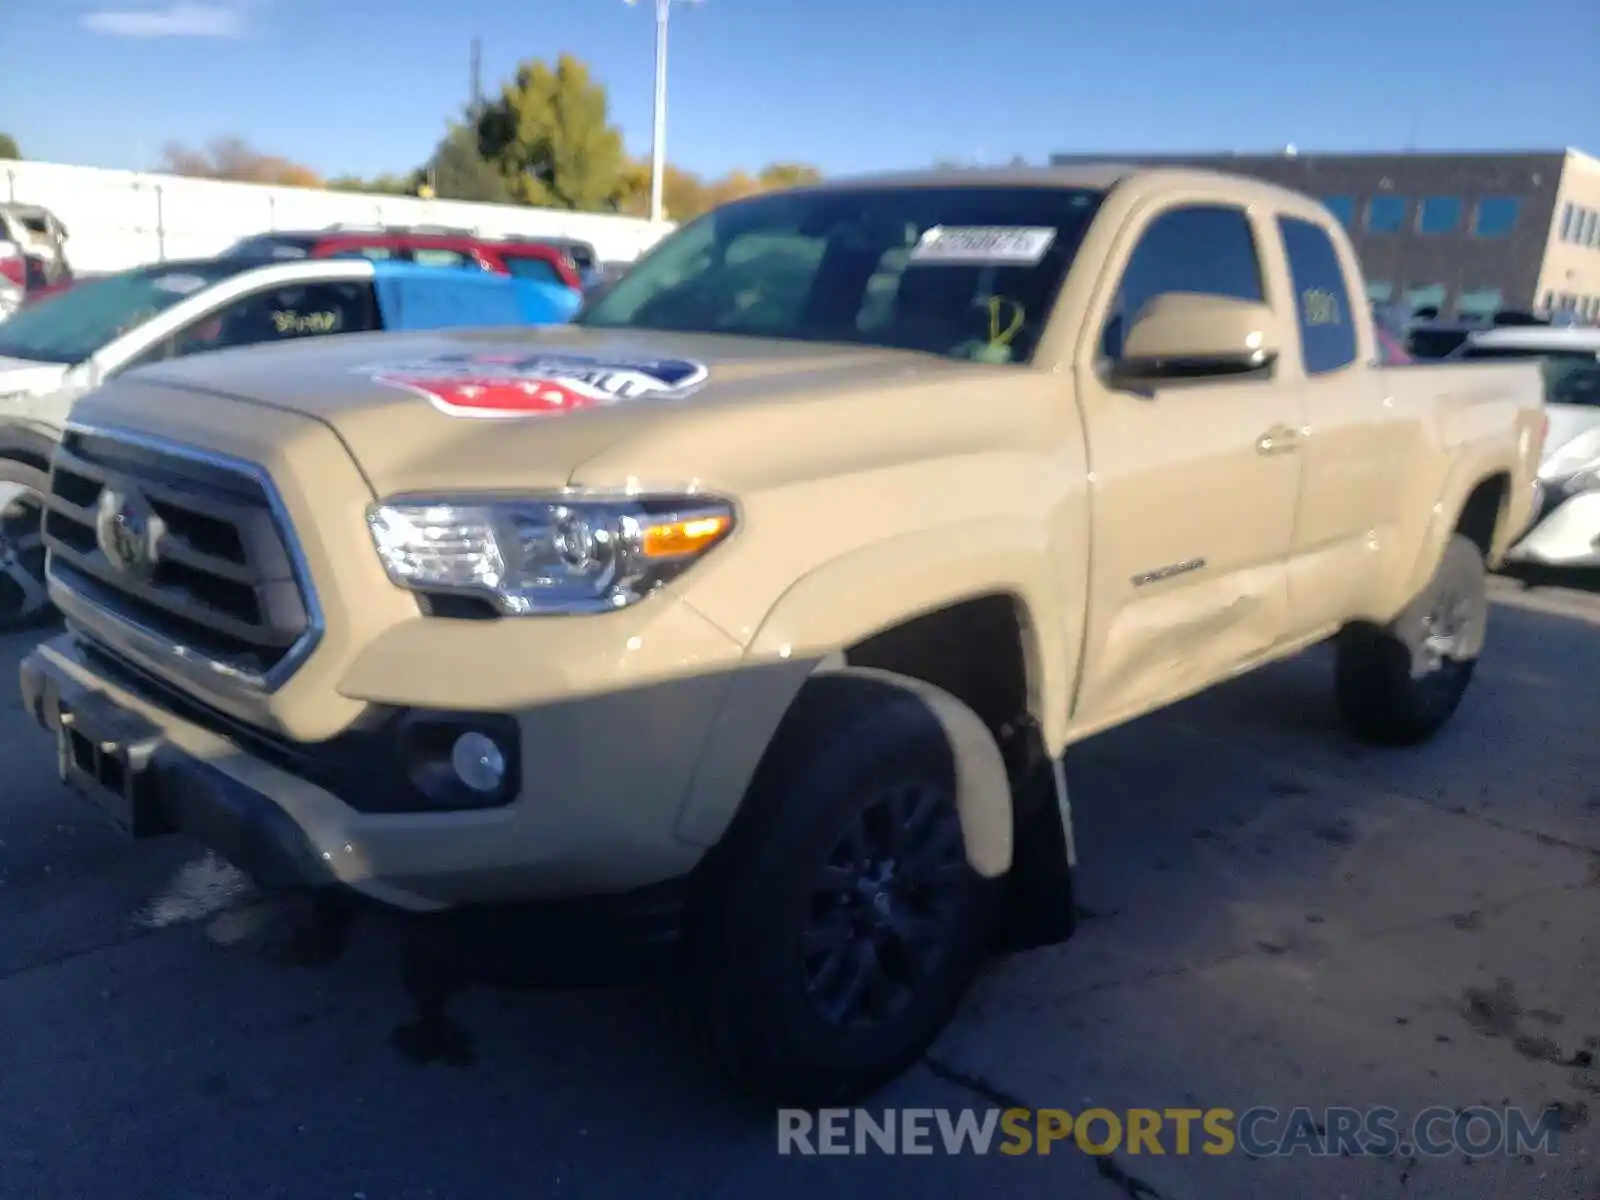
[(1467, 233)]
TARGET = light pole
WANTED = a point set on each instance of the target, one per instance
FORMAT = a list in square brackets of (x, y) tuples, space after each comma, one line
[(658, 138)]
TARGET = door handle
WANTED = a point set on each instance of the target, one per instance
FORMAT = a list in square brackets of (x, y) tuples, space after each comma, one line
[(1280, 439)]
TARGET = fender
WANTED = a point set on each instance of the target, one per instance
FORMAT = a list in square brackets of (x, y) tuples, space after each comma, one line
[(1475, 465), (983, 787), (862, 592), (872, 588)]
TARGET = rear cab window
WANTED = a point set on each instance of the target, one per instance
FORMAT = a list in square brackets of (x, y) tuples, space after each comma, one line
[(1322, 300)]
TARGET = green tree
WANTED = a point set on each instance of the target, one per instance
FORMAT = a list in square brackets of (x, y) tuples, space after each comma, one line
[(551, 137), (459, 171), (8, 146)]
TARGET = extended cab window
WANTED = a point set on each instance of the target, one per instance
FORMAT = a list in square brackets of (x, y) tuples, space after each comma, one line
[(966, 272), (1204, 248), (1322, 302), (282, 314)]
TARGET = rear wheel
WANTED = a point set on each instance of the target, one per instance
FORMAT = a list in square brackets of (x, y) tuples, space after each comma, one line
[(1399, 685), (842, 923), (24, 601)]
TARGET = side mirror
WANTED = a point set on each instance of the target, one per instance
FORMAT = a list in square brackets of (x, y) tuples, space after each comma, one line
[(1184, 335)]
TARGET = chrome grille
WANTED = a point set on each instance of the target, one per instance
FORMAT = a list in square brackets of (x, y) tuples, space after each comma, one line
[(221, 582)]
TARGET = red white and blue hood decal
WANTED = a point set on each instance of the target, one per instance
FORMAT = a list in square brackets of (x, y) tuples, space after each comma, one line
[(500, 385)]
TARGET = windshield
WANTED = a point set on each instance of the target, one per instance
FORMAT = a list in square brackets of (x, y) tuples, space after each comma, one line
[(70, 326), (966, 272), (1570, 376)]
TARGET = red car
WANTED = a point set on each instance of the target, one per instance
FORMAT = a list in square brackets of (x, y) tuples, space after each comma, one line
[(525, 260)]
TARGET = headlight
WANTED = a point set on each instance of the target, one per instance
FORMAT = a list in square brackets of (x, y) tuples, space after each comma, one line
[(556, 554)]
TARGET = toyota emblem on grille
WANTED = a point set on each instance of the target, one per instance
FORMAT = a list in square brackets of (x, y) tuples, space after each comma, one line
[(127, 530)]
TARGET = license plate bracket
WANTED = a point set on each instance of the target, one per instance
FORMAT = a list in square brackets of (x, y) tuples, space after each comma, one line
[(106, 754)]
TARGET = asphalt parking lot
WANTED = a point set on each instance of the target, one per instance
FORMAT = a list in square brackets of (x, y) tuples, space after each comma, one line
[(1271, 916)]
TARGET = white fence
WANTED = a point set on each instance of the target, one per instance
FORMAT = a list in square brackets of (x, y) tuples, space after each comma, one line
[(119, 219)]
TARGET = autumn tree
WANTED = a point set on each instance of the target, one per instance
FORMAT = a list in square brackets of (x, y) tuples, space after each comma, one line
[(787, 175), (386, 184), (685, 195), (233, 158), (551, 136), (632, 192), (8, 147)]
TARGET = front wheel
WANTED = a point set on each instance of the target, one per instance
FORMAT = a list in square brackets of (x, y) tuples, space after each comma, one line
[(843, 923), (24, 602), (1399, 685)]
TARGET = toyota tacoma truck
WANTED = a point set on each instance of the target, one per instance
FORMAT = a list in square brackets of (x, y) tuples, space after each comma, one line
[(749, 616)]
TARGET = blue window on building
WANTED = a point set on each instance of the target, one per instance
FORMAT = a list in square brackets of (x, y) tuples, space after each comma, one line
[(1343, 207), (1568, 213), (1322, 303), (1426, 295), (1496, 216), (1590, 219), (1386, 214), (1439, 214)]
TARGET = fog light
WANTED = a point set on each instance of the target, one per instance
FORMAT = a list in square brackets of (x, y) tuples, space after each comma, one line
[(478, 762)]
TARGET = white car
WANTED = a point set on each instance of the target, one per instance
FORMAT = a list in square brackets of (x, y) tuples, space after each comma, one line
[(55, 349), (1566, 528)]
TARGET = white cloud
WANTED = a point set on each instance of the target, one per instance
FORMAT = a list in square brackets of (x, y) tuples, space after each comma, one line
[(174, 21)]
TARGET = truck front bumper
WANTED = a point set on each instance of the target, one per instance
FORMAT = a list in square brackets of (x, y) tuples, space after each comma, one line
[(153, 772)]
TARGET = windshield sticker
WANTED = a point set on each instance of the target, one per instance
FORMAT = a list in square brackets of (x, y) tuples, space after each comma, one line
[(181, 285), (983, 245), (530, 385)]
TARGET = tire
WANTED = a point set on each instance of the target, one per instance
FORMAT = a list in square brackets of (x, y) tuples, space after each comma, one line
[(1399, 685), (24, 602), (804, 883)]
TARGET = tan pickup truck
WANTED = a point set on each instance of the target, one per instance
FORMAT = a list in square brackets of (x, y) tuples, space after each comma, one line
[(752, 614)]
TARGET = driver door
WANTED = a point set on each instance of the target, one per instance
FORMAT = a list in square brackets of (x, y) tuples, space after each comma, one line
[(1192, 510)]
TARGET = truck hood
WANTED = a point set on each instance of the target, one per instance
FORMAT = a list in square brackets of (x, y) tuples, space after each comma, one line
[(528, 408)]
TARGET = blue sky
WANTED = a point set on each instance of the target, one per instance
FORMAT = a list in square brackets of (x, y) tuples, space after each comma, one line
[(366, 85)]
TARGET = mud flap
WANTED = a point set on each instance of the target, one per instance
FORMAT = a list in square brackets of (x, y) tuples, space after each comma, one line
[(1040, 908)]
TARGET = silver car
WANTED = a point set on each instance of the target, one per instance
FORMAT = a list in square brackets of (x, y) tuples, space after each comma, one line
[(1565, 531)]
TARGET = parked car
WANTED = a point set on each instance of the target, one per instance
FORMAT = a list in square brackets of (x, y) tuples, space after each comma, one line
[(523, 259), (580, 254), (40, 241), (12, 295), (54, 351), (749, 616), (1565, 530)]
